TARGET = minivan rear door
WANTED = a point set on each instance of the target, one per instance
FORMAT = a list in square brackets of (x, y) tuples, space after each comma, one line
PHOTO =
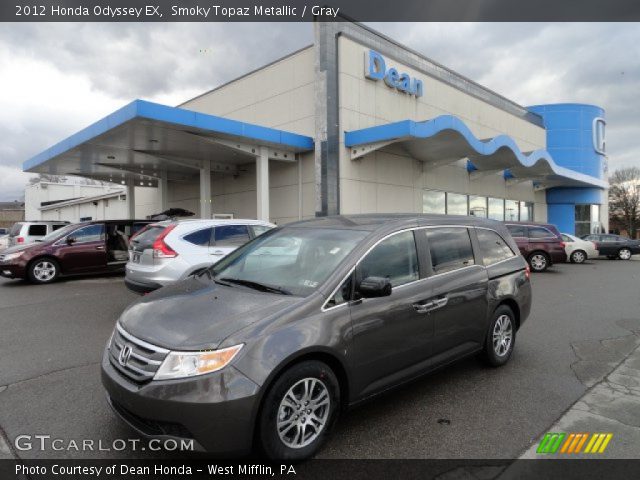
[(459, 293)]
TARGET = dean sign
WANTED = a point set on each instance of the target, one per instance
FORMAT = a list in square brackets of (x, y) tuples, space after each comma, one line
[(375, 68)]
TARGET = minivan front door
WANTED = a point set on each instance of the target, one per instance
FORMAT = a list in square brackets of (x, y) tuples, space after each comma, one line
[(83, 250), (391, 338)]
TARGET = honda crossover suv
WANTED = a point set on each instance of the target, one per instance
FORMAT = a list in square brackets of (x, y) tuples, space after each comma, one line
[(269, 344), (166, 252)]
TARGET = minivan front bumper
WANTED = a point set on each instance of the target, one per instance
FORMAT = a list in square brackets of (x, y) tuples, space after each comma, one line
[(215, 410)]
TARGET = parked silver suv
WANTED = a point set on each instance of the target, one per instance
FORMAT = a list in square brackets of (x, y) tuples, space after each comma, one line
[(166, 252), (23, 233)]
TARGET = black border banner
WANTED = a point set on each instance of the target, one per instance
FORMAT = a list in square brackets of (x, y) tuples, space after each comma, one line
[(309, 10)]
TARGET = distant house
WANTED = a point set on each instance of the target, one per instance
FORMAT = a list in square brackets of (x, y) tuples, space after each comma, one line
[(10, 213)]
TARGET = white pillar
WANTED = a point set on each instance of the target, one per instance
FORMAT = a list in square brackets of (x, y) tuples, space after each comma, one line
[(262, 184), (205, 189), (131, 199), (162, 191)]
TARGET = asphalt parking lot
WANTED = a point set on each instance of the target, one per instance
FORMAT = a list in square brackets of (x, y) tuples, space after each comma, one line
[(585, 320)]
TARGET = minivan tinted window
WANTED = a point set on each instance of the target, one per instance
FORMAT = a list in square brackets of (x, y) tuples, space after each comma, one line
[(450, 248), (493, 247), (516, 230), (90, 233), (394, 258), (540, 232)]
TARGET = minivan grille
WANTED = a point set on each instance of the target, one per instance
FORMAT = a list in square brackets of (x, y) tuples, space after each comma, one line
[(143, 360)]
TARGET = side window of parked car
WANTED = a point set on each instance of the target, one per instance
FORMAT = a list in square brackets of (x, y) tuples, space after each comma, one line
[(493, 247), (37, 230), (540, 232), (567, 239), (90, 233), (200, 237), (394, 258), (231, 235), (517, 231), (450, 248), (342, 295)]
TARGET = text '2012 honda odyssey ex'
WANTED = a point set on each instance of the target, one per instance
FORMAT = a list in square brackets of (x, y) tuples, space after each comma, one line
[(269, 344)]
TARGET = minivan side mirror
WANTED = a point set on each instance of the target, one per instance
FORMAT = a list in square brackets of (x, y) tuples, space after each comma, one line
[(71, 240), (373, 287)]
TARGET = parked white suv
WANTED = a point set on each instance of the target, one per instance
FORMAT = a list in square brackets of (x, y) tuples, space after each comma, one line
[(166, 252), (23, 233)]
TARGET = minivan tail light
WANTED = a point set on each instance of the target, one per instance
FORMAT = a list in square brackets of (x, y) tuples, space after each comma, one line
[(20, 240), (527, 272), (160, 247)]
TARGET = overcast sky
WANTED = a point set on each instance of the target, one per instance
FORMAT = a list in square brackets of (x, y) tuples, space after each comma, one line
[(58, 78)]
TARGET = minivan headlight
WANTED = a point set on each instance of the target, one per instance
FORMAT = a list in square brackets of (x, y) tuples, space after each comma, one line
[(191, 364), (11, 256)]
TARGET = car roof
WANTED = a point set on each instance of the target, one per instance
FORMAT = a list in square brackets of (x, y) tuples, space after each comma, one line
[(213, 221), (373, 222)]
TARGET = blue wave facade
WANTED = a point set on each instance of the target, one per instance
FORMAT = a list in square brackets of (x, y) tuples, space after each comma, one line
[(572, 142)]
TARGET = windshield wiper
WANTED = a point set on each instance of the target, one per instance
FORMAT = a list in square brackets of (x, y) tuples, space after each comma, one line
[(256, 285)]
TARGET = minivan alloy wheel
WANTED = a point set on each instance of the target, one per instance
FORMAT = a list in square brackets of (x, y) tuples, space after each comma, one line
[(538, 262), (624, 254), (303, 412), (44, 271), (502, 335)]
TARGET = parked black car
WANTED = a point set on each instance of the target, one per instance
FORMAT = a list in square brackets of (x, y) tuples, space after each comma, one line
[(614, 246), (274, 340)]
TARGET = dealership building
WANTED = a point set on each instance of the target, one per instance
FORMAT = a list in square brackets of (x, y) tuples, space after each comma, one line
[(354, 123)]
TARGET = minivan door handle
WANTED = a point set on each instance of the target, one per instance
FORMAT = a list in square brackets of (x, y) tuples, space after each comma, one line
[(99, 247), (431, 305)]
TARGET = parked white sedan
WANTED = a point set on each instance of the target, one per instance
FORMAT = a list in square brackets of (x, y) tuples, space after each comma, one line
[(578, 250)]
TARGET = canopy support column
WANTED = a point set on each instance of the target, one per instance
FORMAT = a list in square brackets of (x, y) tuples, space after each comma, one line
[(205, 189), (163, 191), (131, 200), (262, 184)]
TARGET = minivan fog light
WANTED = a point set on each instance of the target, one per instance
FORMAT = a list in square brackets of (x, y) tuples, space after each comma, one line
[(191, 364)]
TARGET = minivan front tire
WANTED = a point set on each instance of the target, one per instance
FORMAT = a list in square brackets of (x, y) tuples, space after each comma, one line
[(501, 337), (298, 411), (43, 270)]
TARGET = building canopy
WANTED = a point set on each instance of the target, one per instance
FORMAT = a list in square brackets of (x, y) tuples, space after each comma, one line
[(446, 139)]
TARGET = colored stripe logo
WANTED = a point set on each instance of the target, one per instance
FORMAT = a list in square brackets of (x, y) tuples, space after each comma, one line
[(569, 443)]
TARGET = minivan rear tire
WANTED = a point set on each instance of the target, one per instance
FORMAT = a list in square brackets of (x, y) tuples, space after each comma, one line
[(43, 270), (495, 353), (539, 261), (276, 408)]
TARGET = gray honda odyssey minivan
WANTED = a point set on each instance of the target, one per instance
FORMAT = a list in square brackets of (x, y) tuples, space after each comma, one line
[(267, 346)]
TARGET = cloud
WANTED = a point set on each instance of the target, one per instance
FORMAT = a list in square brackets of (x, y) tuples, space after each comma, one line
[(59, 77)]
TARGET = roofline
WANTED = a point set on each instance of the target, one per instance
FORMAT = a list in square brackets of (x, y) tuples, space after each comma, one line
[(77, 201), (251, 72)]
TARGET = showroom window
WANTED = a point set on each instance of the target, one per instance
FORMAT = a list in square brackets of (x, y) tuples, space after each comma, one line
[(478, 206), (496, 209), (511, 208), (456, 204), (526, 211), (434, 202), (587, 219)]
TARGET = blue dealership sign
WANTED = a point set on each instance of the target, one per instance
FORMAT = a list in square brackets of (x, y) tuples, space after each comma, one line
[(375, 68)]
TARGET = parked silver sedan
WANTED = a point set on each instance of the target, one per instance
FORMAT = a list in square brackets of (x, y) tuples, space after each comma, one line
[(578, 250), (166, 252)]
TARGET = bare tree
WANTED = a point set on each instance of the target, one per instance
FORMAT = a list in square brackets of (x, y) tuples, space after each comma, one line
[(624, 199)]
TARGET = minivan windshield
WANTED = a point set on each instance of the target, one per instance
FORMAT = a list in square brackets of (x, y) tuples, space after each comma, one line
[(290, 261)]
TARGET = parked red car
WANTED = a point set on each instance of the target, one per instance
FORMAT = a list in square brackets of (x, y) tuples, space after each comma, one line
[(77, 249), (540, 243)]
